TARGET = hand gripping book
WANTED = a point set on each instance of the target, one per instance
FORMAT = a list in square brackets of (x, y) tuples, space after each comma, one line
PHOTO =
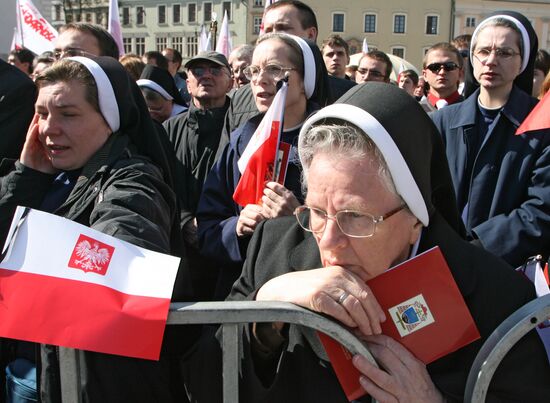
[(424, 309)]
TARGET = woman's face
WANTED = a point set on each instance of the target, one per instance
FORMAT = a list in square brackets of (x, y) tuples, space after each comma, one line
[(491, 70), (264, 87), (406, 84), (69, 127)]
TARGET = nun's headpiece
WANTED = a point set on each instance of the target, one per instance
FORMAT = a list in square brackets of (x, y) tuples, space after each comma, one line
[(315, 73), (408, 141), (160, 81), (123, 108), (529, 40)]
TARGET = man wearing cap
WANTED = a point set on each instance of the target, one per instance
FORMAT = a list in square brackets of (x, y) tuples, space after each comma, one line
[(161, 95), (443, 71), (196, 136)]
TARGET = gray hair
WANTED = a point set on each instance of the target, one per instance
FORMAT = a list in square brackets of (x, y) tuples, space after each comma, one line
[(338, 138), (499, 22), (242, 52)]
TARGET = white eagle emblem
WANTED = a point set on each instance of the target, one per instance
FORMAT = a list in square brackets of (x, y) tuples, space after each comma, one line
[(91, 258)]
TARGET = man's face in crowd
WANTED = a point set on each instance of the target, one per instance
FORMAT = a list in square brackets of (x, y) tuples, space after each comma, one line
[(237, 68), (370, 70), (172, 66), (442, 82), (14, 61), (538, 79), (335, 184), (336, 59), (75, 43), (407, 84), (208, 83), (287, 19)]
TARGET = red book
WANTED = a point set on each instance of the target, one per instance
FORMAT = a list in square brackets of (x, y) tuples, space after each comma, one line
[(424, 309)]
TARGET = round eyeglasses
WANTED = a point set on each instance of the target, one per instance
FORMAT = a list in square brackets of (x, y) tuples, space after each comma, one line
[(355, 224), (272, 71), (482, 54)]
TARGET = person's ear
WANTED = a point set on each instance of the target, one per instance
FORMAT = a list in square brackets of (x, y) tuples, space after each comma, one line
[(415, 231), (312, 33)]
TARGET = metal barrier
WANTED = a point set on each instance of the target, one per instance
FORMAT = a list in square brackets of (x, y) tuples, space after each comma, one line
[(503, 338), (229, 315)]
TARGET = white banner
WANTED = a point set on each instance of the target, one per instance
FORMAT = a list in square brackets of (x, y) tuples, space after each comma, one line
[(37, 34)]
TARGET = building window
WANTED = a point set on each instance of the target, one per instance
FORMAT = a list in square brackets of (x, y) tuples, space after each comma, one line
[(398, 51), (176, 13), (127, 42), (192, 46), (431, 25), (125, 15), (69, 17), (470, 21), (140, 46), (258, 3), (57, 12), (140, 13), (399, 23), (370, 23), (99, 18), (207, 9), (161, 14), (88, 17), (337, 22), (257, 23), (161, 43), (191, 12), (226, 6), (177, 43)]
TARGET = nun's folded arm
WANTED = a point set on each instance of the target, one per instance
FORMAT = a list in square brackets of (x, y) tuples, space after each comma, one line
[(333, 291)]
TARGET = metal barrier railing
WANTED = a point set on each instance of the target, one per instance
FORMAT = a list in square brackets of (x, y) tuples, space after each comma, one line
[(503, 338), (229, 314)]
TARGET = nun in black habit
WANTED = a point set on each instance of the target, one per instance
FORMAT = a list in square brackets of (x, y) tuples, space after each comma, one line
[(93, 155), (393, 174)]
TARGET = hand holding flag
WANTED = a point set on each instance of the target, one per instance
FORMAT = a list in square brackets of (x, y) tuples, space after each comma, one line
[(257, 163)]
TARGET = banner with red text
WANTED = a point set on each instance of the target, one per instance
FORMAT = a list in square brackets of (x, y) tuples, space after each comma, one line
[(36, 33)]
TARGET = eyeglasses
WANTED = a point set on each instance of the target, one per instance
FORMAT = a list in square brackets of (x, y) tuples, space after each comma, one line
[(447, 66), (482, 54), (354, 224), (201, 71), (272, 71), (70, 52), (372, 73)]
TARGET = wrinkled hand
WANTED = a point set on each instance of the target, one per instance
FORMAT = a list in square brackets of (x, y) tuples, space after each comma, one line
[(321, 289), (278, 201), (403, 378), (249, 218), (34, 155)]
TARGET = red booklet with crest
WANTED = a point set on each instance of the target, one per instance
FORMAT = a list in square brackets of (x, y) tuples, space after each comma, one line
[(424, 310)]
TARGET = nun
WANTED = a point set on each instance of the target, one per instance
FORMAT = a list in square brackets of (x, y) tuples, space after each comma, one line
[(500, 179), (224, 228), (92, 155), (378, 193)]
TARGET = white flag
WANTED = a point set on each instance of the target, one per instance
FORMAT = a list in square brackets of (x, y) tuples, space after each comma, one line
[(223, 45), (114, 25), (204, 41), (37, 34), (16, 40), (365, 46)]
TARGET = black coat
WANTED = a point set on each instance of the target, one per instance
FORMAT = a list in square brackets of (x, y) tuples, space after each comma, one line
[(508, 191), (492, 291), (17, 96)]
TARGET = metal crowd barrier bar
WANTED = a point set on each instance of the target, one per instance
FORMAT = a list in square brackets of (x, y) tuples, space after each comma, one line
[(503, 338), (229, 315)]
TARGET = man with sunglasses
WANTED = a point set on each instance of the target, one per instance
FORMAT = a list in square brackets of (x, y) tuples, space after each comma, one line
[(442, 69), (196, 136)]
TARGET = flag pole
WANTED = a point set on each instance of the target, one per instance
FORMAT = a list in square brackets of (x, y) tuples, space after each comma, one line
[(277, 167)]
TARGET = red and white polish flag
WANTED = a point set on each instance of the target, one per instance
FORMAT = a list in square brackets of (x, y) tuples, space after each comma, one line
[(114, 26), (79, 288), (257, 163), (224, 45)]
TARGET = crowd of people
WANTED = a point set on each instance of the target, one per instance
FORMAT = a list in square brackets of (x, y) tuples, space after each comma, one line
[(380, 169)]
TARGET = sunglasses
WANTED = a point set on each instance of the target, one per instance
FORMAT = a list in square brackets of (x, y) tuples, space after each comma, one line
[(447, 66), (201, 71)]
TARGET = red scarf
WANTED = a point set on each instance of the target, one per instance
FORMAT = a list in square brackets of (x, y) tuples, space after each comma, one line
[(451, 99)]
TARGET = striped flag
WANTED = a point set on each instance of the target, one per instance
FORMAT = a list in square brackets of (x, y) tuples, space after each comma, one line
[(223, 45), (79, 288), (114, 26), (257, 163)]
